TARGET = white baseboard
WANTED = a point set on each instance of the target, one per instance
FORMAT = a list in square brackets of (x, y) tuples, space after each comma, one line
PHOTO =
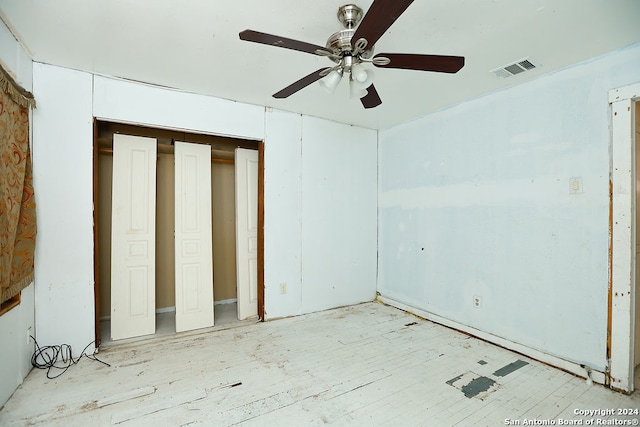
[(173, 309), (158, 311), (572, 367), (226, 301)]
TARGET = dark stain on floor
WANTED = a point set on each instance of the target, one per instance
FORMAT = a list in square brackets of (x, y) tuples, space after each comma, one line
[(506, 370), (477, 386)]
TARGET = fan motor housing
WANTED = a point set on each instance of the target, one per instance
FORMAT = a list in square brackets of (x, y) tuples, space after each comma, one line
[(340, 43)]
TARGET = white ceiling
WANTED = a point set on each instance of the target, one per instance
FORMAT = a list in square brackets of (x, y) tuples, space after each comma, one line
[(193, 45)]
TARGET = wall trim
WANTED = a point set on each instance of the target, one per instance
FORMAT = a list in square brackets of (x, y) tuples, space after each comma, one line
[(557, 362), (158, 311), (624, 93), (622, 286), (226, 301)]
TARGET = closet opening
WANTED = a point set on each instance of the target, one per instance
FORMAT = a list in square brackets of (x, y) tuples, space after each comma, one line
[(223, 224)]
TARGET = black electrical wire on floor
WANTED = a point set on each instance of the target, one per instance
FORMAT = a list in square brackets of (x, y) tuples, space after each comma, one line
[(47, 357)]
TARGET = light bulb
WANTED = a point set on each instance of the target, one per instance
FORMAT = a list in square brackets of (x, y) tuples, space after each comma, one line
[(358, 73), (360, 80)]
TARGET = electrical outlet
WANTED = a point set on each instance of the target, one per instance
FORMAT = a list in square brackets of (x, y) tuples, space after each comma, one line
[(477, 301), (283, 288), (29, 332)]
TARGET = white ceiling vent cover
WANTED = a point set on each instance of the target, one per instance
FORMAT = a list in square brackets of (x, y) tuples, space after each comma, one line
[(514, 68)]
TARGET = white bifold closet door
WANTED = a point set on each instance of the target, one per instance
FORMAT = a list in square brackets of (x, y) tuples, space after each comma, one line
[(133, 227), (246, 164), (193, 238)]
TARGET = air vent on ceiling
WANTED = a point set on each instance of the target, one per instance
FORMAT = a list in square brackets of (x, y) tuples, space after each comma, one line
[(517, 67)]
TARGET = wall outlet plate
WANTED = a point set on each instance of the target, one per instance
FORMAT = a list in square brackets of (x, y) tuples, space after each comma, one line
[(477, 301), (575, 185)]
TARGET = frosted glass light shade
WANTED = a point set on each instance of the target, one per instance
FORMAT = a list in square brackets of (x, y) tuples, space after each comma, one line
[(331, 81), (356, 90), (360, 80), (359, 74)]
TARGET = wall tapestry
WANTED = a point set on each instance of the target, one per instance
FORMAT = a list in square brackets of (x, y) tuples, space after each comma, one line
[(17, 203)]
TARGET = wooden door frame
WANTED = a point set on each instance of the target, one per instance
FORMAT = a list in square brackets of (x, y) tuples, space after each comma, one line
[(622, 232), (261, 230), (96, 245)]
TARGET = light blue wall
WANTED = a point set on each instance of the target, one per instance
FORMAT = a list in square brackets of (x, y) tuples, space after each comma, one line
[(320, 214), (339, 214), (475, 201)]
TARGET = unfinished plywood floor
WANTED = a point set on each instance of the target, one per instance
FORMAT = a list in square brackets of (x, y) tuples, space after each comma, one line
[(368, 364)]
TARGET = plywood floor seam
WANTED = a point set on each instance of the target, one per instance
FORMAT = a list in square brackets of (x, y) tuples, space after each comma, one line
[(368, 365)]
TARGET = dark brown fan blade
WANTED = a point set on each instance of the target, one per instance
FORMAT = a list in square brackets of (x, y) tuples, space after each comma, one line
[(301, 84), (380, 16), (270, 39), (408, 61), (371, 99)]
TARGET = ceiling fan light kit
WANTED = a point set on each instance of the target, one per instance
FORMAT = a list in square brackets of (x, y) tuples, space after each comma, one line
[(359, 74), (352, 47), (331, 81), (360, 79)]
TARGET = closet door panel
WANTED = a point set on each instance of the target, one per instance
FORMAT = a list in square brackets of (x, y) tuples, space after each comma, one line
[(133, 236), (193, 247), (246, 163)]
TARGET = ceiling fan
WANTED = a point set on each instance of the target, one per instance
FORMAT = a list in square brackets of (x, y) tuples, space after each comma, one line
[(352, 47)]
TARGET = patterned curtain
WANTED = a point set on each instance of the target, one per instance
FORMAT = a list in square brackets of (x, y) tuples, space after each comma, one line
[(17, 204)]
